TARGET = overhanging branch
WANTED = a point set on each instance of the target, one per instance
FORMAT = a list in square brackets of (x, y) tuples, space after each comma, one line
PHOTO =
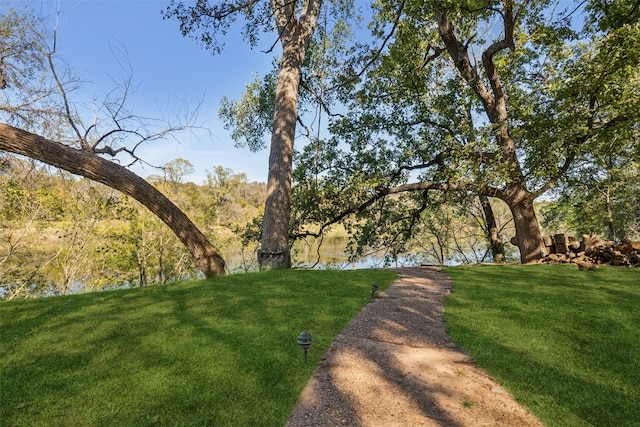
[(382, 192), (89, 165)]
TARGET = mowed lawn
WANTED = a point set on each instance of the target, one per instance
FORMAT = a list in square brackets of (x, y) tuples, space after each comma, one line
[(223, 352), (209, 353), (565, 342)]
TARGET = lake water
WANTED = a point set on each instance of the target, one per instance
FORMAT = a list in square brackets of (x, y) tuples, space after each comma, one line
[(331, 254), (308, 254)]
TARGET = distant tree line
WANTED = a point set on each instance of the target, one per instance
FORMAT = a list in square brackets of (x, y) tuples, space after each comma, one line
[(60, 233)]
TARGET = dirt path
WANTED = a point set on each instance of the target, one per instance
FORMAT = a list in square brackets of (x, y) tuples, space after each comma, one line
[(395, 365)]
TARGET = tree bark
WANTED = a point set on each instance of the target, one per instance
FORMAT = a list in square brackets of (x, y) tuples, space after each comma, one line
[(497, 248), (295, 36), (610, 223), (494, 101), (274, 251), (18, 141), (528, 233)]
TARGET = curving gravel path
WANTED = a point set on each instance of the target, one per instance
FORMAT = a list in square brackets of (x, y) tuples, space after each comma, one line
[(395, 365)]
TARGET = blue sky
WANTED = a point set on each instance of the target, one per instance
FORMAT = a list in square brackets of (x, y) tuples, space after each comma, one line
[(167, 68)]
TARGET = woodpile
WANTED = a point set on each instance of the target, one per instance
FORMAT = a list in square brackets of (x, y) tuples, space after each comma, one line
[(591, 251)]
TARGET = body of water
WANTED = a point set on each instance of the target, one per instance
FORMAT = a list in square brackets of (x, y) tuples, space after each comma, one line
[(331, 253)]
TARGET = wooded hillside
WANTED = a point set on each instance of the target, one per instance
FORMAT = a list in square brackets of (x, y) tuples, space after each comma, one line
[(61, 233)]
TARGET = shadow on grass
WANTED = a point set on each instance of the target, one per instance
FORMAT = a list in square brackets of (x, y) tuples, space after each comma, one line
[(572, 400), (366, 379), (565, 342), (206, 353)]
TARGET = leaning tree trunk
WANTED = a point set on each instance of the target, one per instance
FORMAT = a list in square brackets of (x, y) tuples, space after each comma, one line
[(494, 101), (206, 257), (528, 233), (491, 228)]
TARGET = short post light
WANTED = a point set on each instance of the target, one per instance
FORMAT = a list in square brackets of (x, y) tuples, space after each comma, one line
[(304, 342), (374, 289)]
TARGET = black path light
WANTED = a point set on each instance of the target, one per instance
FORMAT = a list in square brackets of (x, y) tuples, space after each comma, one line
[(304, 342), (374, 289)]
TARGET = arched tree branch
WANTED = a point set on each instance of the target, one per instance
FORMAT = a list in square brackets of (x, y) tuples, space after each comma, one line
[(79, 162)]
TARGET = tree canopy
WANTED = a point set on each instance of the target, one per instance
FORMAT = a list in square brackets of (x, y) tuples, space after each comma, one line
[(445, 108), (295, 23), (502, 99)]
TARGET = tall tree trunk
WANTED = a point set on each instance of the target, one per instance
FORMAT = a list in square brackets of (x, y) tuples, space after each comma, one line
[(295, 36), (206, 257), (494, 102), (274, 252), (528, 233), (491, 228)]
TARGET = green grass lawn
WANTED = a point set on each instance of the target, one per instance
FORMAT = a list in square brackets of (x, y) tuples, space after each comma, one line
[(209, 353), (565, 342)]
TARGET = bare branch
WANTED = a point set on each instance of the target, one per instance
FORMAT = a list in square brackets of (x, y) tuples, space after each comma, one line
[(63, 93), (437, 50), (437, 160), (275, 11), (227, 9), (319, 99), (377, 53), (505, 43), (284, 15)]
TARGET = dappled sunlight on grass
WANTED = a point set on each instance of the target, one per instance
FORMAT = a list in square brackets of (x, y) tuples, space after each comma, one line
[(565, 342), (200, 353)]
